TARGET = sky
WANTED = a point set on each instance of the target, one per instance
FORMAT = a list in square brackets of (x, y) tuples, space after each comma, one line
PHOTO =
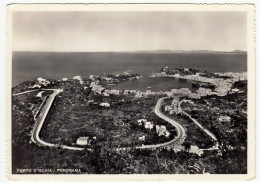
[(128, 31)]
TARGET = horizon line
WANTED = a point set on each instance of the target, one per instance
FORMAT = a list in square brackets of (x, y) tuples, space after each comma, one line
[(163, 50)]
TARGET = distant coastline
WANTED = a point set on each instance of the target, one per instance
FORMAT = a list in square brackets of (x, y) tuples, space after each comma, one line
[(28, 66), (148, 51)]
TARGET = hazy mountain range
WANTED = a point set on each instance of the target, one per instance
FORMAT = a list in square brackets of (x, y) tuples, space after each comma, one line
[(194, 51)]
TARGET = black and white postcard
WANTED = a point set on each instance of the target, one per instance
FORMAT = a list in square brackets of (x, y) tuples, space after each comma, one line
[(131, 92)]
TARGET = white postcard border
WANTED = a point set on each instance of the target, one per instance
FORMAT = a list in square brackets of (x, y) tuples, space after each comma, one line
[(140, 7)]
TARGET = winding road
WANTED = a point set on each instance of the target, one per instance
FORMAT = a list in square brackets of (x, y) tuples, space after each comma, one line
[(40, 120), (25, 92), (197, 123), (211, 135), (48, 103), (180, 130), (200, 126)]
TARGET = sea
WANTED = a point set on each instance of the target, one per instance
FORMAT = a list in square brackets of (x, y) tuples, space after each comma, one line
[(28, 66)]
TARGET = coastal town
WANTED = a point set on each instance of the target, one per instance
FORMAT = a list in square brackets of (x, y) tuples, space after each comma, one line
[(86, 113), (221, 82)]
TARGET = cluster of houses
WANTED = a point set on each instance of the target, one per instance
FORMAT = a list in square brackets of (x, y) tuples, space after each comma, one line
[(160, 130), (240, 76), (192, 149), (222, 85), (116, 78), (147, 124), (139, 94), (113, 79), (104, 104), (43, 81), (174, 108), (199, 93), (98, 89), (236, 90), (79, 78), (185, 91), (39, 83), (205, 92)]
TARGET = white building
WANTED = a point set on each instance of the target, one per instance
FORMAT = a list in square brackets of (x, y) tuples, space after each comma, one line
[(148, 92), (162, 131), (104, 104), (92, 84), (169, 94), (184, 91), (204, 91), (83, 141), (224, 119), (177, 110), (108, 78), (132, 91), (138, 94), (174, 91), (106, 93), (97, 88), (142, 138), (175, 102), (114, 92), (42, 81), (194, 95), (178, 148), (235, 90), (163, 73), (167, 134), (141, 121), (149, 125), (79, 78), (167, 108), (195, 150), (92, 77), (39, 94), (64, 79), (126, 92), (100, 89), (35, 86)]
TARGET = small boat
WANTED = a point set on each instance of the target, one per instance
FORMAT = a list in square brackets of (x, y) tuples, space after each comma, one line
[(149, 87)]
